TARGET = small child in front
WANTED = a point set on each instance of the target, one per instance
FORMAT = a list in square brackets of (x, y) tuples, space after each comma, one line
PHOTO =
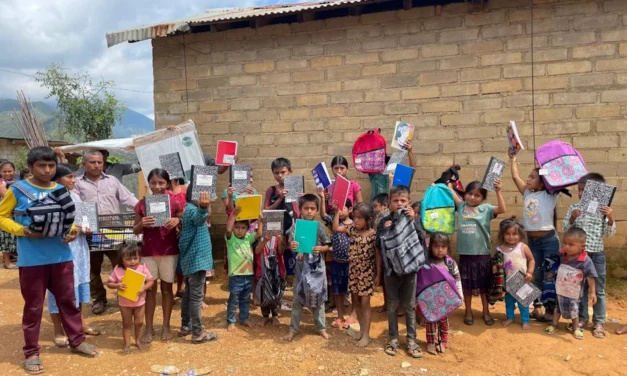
[(240, 254), (132, 311), (312, 294), (575, 268), (516, 256)]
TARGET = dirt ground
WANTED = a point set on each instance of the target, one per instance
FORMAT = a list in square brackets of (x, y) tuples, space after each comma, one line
[(476, 350)]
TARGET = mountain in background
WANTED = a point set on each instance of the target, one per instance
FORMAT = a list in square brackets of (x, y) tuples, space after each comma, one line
[(133, 123)]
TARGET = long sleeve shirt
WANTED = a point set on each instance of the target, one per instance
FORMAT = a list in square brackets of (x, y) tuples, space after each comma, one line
[(596, 228), (108, 193)]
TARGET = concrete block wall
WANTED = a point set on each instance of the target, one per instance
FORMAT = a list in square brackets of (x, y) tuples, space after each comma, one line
[(305, 91), (9, 150)]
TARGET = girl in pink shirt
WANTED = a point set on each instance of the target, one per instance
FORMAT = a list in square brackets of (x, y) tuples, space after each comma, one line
[(132, 311), (339, 166)]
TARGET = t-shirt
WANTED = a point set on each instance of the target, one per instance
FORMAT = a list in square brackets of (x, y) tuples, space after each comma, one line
[(33, 252), (583, 263), (473, 233), (538, 210), (340, 241), (116, 276), (240, 254), (159, 241)]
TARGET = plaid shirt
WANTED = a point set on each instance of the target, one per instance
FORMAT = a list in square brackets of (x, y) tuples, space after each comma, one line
[(194, 242), (594, 227)]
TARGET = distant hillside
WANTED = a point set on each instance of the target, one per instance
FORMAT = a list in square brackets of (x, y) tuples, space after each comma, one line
[(133, 123)]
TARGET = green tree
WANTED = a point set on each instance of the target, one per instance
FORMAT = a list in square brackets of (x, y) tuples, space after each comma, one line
[(88, 110)]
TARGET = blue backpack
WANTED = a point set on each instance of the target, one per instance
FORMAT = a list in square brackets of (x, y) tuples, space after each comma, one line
[(437, 210)]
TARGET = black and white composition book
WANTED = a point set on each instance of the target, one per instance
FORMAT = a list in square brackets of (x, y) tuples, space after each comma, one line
[(158, 206), (240, 177), (173, 165), (494, 171), (524, 292), (295, 185), (204, 179), (595, 196), (86, 215), (273, 222)]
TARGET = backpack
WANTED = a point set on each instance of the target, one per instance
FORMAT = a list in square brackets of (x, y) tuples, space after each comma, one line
[(437, 210), (52, 215), (402, 245), (271, 286), (436, 291), (369, 152), (561, 165), (288, 215)]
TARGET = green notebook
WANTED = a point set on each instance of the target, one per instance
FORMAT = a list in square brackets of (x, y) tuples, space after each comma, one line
[(306, 234)]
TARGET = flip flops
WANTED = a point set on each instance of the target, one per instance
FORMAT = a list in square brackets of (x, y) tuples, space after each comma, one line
[(204, 338)]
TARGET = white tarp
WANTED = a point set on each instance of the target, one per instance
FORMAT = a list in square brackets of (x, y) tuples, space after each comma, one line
[(183, 140), (114, 144)]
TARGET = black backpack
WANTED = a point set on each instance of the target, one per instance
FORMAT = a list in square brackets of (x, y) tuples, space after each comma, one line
[(52, 215), (288, 216)]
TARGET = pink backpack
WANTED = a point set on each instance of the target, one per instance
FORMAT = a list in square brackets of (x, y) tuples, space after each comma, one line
[(369, 152), (561, 165), (436, 291)]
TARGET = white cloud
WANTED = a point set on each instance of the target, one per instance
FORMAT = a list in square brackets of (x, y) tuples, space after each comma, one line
[(37, 33)]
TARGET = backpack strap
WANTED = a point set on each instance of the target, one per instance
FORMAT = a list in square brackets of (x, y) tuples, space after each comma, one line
[(450, 264), (28, 195)]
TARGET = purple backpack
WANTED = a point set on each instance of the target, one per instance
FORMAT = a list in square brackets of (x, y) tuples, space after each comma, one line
[(561, 165), (436, 292)]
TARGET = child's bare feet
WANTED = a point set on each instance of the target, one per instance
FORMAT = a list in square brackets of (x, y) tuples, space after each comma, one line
[(324, 334), (204, 306), (364, 341), (289, 336), (275, 321), (147, 336), (248, 324), (166, 334), (621, 330), (431, 349), (507, 322), (126, 350), (230, 327), (266, 321), (526, 326), (139, 345)]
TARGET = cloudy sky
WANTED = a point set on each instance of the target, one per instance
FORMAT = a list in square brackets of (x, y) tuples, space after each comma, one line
[(37, 33)]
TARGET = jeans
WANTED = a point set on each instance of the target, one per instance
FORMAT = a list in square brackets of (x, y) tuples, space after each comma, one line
[(318, 317), (96, 258), (192, 301), (395, 286), (240, 287), (598, 259), (510, 308), (59, 279), (542, 248)]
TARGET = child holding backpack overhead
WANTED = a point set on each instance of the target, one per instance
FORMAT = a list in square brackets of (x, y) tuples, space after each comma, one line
[(439, 248), (516, 256), (539, 221), (473, 244)]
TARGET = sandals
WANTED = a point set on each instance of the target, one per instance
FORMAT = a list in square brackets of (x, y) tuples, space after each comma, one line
[(391, 348), (98, 308), (91, 332), (489, 321), (550, 330), (204, 338), (578, 333), (339, 323), (183, 332), (61, 342), (569, 327), (413, 350), (33, 362), (348, 323), (469, 321), (86, 350)]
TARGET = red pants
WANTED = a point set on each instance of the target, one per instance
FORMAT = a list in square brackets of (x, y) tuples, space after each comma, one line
[(59, 279), (437, 331)]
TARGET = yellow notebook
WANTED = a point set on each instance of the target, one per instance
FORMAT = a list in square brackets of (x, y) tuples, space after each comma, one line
[(134, 281), (251, 207)]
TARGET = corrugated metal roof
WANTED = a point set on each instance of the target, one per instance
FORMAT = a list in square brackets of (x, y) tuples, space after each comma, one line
[(164, 29)]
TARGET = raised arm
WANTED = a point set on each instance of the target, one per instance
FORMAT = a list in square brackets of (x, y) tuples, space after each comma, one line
[(456, 198), (228, 201), (262, 244), (410, 154), (323, 203), (230, 223), (520, 184), (259, 233), (336, 221), (500, 209)]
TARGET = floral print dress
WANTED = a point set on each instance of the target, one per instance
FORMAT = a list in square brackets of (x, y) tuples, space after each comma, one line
[(361, 267)]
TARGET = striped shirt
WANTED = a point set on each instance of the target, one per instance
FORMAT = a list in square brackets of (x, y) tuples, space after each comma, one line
[(594, 227)]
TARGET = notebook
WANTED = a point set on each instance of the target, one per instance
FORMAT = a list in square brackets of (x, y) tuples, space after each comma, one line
[(403, 175), (204, 179), (321, 175), (273, 222), (239, 177), (158, 206), (595, 196), (251, 207), (395, 159), (515, 144), (134, 281), (306, 234), (295, 186), (86, 215), (226, 152), (173, 165), (568, 282), (493, 172), (524, 292), (340, 192), (403, 132)]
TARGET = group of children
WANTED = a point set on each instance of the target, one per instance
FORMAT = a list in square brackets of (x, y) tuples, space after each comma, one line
[(358, 239)]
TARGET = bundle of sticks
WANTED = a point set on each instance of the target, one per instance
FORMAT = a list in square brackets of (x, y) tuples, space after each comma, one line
[(26, 122)]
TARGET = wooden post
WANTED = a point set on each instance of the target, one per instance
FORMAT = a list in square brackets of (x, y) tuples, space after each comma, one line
[(142, 188)]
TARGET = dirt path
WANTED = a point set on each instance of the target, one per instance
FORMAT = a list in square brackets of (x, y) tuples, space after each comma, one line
[(476, 350)]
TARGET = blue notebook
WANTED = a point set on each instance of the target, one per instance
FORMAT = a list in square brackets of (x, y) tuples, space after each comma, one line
[(321, 175), (403, 175), (306, 234)]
